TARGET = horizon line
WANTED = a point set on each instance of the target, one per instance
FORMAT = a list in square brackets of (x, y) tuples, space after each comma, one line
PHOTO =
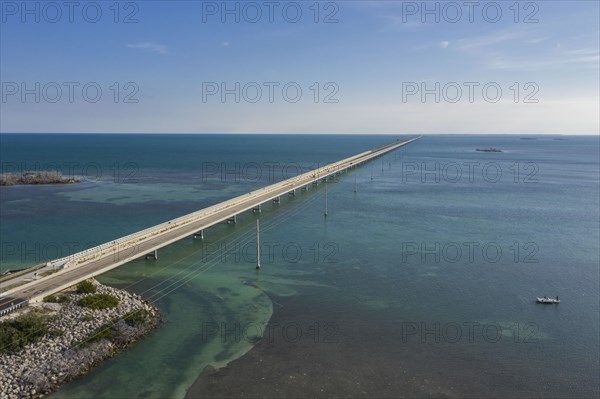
[(306, 134)]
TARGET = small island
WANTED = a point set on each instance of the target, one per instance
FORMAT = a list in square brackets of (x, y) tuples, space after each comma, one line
[(488, 150), (46, 345), (36, 177)]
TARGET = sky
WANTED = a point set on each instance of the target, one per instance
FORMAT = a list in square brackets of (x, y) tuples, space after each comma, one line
[(360, 67)]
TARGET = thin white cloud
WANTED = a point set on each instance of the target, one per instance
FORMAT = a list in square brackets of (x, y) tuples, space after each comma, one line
[(536, 40), (558, 57), (155, 47), (444, 44), (504, 50), (529, 64), (486, 41), (584, 51), (396, 23), (225, 44)]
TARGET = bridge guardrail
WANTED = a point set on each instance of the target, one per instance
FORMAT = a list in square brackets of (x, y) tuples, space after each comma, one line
[(131, 239), (153, 230)]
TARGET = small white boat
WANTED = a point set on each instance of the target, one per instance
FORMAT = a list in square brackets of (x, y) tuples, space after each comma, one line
[(547, 300)]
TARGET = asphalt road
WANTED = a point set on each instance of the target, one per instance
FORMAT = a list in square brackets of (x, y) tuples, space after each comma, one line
[(117, 256)]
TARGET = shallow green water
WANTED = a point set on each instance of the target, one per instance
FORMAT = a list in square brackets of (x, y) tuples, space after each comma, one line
[(414, 245)]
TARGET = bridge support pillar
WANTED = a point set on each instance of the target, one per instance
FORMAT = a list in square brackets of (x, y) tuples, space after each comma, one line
[(292, 193), (232, 220), (305, 188), (277, 200), (256, 209), (199, 234), (153, 255)]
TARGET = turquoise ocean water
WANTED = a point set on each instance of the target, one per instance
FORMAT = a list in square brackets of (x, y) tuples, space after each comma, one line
[(438, 239)]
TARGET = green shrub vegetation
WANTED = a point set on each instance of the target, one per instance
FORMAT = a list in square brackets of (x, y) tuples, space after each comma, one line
[(51, 299), (57, 299), (103, 332), (136, 317), (86, 287), (22, 330), (99, 301)]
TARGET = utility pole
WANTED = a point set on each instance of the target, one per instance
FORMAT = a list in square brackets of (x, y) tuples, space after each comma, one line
[(257, 244), (325, 198)]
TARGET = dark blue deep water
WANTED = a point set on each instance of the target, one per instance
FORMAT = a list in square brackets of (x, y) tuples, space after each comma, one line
[(444, 246)]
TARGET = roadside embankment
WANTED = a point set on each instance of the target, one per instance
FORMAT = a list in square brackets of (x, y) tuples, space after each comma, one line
[(47, 345)]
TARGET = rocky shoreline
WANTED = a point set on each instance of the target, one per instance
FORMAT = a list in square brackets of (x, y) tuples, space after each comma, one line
[(36, 177), (78, 341)]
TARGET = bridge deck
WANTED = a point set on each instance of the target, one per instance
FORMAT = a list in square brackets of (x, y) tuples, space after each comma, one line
[(98, 260)]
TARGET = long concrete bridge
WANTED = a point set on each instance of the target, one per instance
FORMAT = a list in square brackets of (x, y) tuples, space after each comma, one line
[(94, 261)]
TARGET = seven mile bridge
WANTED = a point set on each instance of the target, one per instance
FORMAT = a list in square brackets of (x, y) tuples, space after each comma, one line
[(80, 266)]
